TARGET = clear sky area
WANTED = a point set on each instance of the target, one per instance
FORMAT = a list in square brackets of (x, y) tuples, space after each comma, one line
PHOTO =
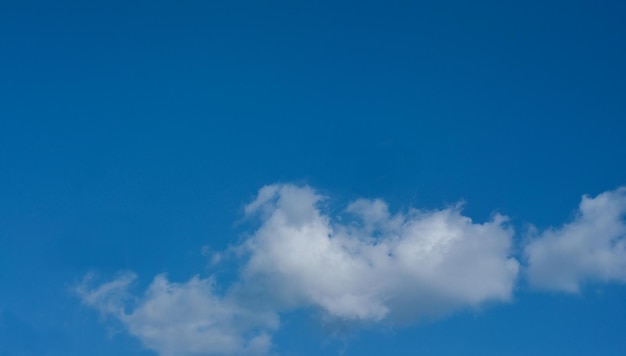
[(312, 178)]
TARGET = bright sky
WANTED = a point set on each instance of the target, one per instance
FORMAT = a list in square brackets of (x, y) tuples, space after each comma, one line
[(306, 178)]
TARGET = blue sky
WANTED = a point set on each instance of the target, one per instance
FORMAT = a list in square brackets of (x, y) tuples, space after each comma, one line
[(424, 166)]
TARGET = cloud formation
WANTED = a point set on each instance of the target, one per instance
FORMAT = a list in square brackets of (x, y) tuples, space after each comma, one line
[(380, 267), (590, 248), (362, 266), (184, 319)]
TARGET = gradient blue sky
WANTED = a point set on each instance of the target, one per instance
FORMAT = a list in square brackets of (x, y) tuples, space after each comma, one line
[(134, 133)]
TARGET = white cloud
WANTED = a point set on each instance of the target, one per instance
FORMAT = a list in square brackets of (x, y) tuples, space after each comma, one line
[(364, 265), (108, 298), (392, 268), (184, 319), (378, 267), (592, 247)]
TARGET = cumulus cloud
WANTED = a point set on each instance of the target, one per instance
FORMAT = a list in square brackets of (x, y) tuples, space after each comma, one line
[(380, 267), (183, 319), (592, 247), (365, 265), (377, 267)]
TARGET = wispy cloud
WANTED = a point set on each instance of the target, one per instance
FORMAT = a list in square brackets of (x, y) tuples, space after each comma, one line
[(375, 268)]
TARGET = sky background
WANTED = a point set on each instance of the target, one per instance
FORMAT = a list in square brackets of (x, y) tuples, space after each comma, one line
[(133, 134)]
